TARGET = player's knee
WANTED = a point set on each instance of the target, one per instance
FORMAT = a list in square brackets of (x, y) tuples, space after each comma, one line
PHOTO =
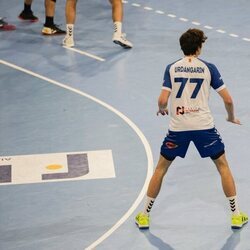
[(218, 156), (168, 158), (221, 163)]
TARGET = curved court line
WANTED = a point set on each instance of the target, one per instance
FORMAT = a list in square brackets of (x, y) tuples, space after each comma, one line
[(130, 123)]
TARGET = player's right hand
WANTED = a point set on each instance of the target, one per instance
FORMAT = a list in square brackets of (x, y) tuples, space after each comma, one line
[(162, 112)]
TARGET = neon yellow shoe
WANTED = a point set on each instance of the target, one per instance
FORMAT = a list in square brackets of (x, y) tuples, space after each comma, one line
[(238, 221), (142, 220)]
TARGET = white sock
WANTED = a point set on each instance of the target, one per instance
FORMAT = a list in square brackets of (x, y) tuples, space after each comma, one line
[(118, 27), (70, 30), (148, 205), (234, 205)]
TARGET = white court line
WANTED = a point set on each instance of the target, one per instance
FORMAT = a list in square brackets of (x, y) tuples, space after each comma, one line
[(85, 53), (183, 19), (233, 35), (130, 123), (159, 12), (246, 39), (171, 15), (148, 8), (208, 27), (194, 22), (136, 5), (221, 31)]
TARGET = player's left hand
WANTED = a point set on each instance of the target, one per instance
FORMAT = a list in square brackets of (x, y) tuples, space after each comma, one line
[(235, 120)]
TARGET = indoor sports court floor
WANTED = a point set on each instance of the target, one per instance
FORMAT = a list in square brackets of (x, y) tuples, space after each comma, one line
[(79, 134)]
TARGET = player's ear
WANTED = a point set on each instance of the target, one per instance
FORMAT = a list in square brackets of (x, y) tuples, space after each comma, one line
[(198, 51)]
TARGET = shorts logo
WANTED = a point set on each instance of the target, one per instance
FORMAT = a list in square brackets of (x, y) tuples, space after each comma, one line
[(171, 145)]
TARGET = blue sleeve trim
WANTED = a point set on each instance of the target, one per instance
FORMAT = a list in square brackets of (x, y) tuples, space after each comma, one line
[(216, 79), (167, 80)]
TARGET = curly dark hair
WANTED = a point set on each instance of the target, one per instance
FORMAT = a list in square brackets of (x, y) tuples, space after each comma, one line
[(191, 41)]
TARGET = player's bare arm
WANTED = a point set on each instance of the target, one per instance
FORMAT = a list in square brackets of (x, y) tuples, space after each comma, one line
[(163, 102), (228, 101)]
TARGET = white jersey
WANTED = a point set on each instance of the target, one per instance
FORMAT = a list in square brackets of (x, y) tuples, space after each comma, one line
[(189, 80)]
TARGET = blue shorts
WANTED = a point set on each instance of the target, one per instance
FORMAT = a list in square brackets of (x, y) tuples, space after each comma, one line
[(208, 142)]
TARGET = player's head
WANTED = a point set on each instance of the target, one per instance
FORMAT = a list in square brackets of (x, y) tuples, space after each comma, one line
[(191, 41)]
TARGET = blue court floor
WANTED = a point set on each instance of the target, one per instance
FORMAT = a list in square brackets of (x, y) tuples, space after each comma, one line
[(79, 135)]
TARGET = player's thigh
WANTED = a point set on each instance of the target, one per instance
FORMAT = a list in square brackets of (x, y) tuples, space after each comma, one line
[(209, 143)]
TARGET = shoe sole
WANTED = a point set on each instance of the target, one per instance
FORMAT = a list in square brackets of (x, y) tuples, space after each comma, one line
[(9, 28), (69, 46), (239, 227), (53, 34), (122, 44), (28, 20), (141, 227)]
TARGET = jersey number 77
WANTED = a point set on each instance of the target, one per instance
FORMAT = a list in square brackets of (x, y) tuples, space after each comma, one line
[(183, 81)]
